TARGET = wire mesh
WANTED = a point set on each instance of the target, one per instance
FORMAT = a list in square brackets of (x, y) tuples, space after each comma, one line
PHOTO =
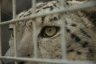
[(63, 42)]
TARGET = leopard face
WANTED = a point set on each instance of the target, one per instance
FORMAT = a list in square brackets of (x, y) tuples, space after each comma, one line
[(80, 36)]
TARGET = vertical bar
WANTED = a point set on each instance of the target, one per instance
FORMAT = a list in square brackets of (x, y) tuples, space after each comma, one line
[(0, 35), (33, 6), (63, 39), (14, 8), (34, 40), (14, 16), (34, 30)]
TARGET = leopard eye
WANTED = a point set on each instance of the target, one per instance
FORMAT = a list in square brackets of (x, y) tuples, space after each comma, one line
[(49, 31)]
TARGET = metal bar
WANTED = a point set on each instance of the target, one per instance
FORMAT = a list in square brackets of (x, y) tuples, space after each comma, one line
[(57, 61), (34, 30), (80, 7), (14, 8), (15, 45), (35, 40), (14, 32), (63, 40), (33, 6), (0, 36), (14, 15)]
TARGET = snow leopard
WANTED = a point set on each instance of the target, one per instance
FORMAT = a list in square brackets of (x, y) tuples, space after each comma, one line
[(79, 31)]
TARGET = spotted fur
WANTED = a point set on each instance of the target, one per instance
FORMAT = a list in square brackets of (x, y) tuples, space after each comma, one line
[(80, 33)]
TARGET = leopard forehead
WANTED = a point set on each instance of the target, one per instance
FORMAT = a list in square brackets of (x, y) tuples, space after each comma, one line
[(53, 19)]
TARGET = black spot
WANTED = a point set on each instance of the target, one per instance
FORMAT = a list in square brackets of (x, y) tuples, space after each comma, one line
[(77, 39), (37, 11), (67, 3), (51, 8), (73, 35), (74, 25), (24, 16), (54, 4), (68, 30), (71, 50), (43, 18), (85, 44), (28, 55), (79, 53), (85, 33), (90, 50), (54, 19)]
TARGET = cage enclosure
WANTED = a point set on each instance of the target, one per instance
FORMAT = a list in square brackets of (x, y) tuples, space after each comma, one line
[(48, 32)]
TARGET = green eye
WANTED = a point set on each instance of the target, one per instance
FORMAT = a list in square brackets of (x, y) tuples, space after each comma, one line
[(49, 31)]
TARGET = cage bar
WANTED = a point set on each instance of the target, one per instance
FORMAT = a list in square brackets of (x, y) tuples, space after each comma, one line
[(57, 61), (34, 30), (14, 8), (63, 40), (14, 30), (62, 10), (33, 6), (14, 15), (35, 40)]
